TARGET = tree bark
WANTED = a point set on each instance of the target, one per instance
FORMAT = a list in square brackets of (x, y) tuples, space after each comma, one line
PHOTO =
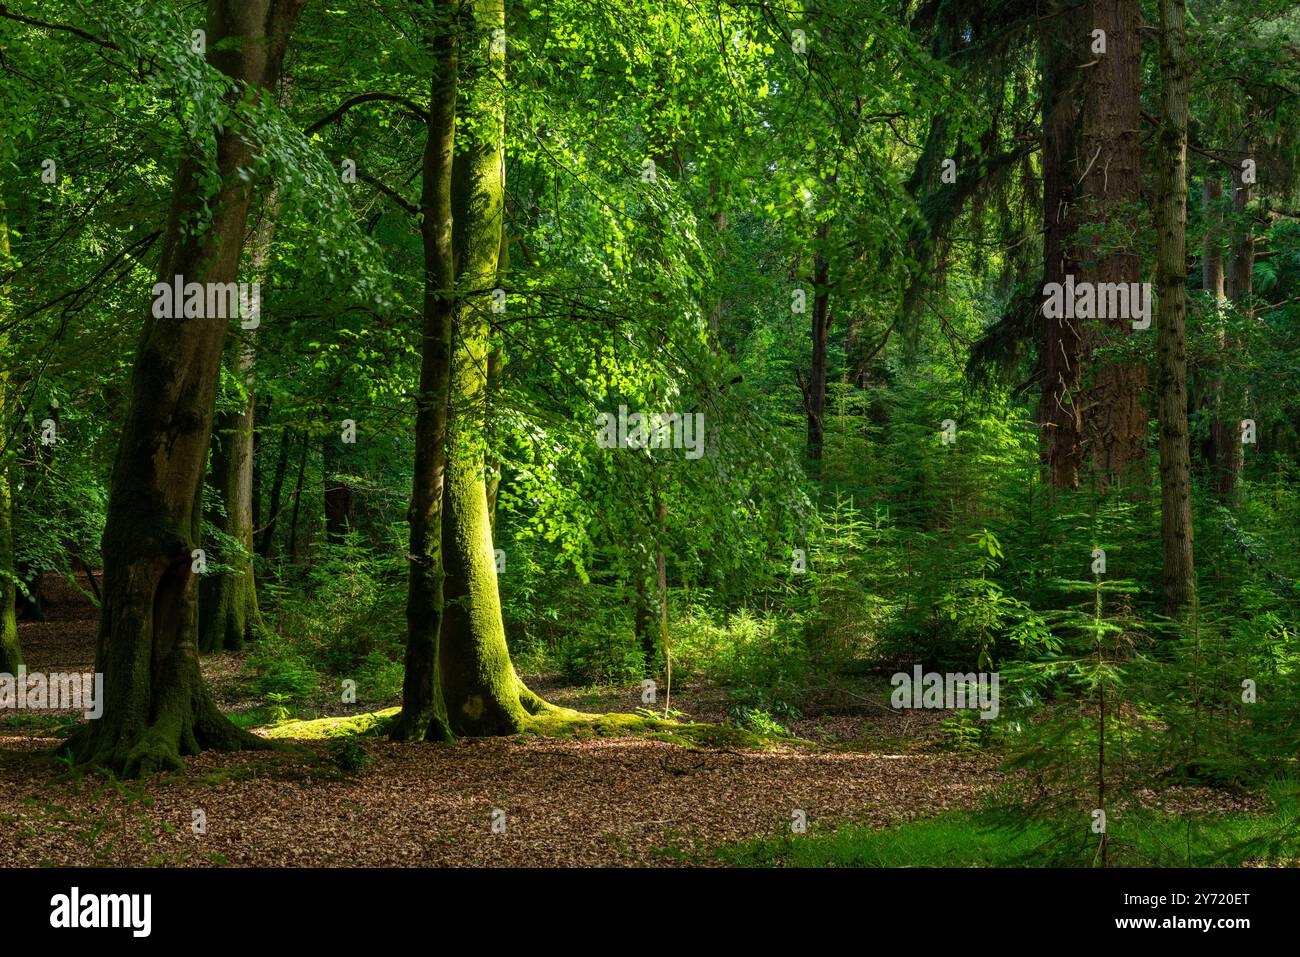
[(11, 654), (340, 515), (641, 624), (297, 499), (816, 398), (1060, 353), (495, 371), (423, 713), (267, 538), (482, 693), (1221, 443), (156, 705), (1114, 411), (228, 610), (1178, 581), (1240, 284)]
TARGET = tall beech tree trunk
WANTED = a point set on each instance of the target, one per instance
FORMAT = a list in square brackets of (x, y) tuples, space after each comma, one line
[(495, 370), (11, 654), (423, 713), (1217, 447), (1178, 580), (661, 574), (267, 537), (228, 613), (297, 498), (1114, 414), (157, 707), (340, 514), (258, 455), (641, 625), (228, 601), (482, 693), (821, 327), (1061, 40), (1240, 284)]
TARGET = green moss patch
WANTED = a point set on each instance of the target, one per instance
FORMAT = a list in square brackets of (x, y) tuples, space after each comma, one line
[(320, 729), (566, 723)]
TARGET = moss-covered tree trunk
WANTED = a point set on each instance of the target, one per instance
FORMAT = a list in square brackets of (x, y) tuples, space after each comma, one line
[(482, 692), (1171, 278), (423, 715), (11, 655), (157, 707)]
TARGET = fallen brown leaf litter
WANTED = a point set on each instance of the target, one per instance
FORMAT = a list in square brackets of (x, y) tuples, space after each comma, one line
[(601, 802), (565, 803)]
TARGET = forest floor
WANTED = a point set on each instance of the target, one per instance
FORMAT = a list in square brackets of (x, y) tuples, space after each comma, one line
[(608, 801), (611, 801)]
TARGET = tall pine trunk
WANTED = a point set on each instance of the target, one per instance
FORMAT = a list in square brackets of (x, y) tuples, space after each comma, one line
[(1114, 414), (1060, 353), (1178, 582), (156, 705)]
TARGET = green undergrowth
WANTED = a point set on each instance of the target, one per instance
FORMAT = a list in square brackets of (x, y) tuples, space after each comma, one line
[(977, 839)]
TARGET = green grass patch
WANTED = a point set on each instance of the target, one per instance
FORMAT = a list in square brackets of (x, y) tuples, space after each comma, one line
[(983, 839)]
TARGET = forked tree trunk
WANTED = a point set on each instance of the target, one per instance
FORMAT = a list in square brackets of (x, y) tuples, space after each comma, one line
[(423, 714), (1115, 414), (156, 705), (482, 692), (1178, 581), (1060, 358)]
